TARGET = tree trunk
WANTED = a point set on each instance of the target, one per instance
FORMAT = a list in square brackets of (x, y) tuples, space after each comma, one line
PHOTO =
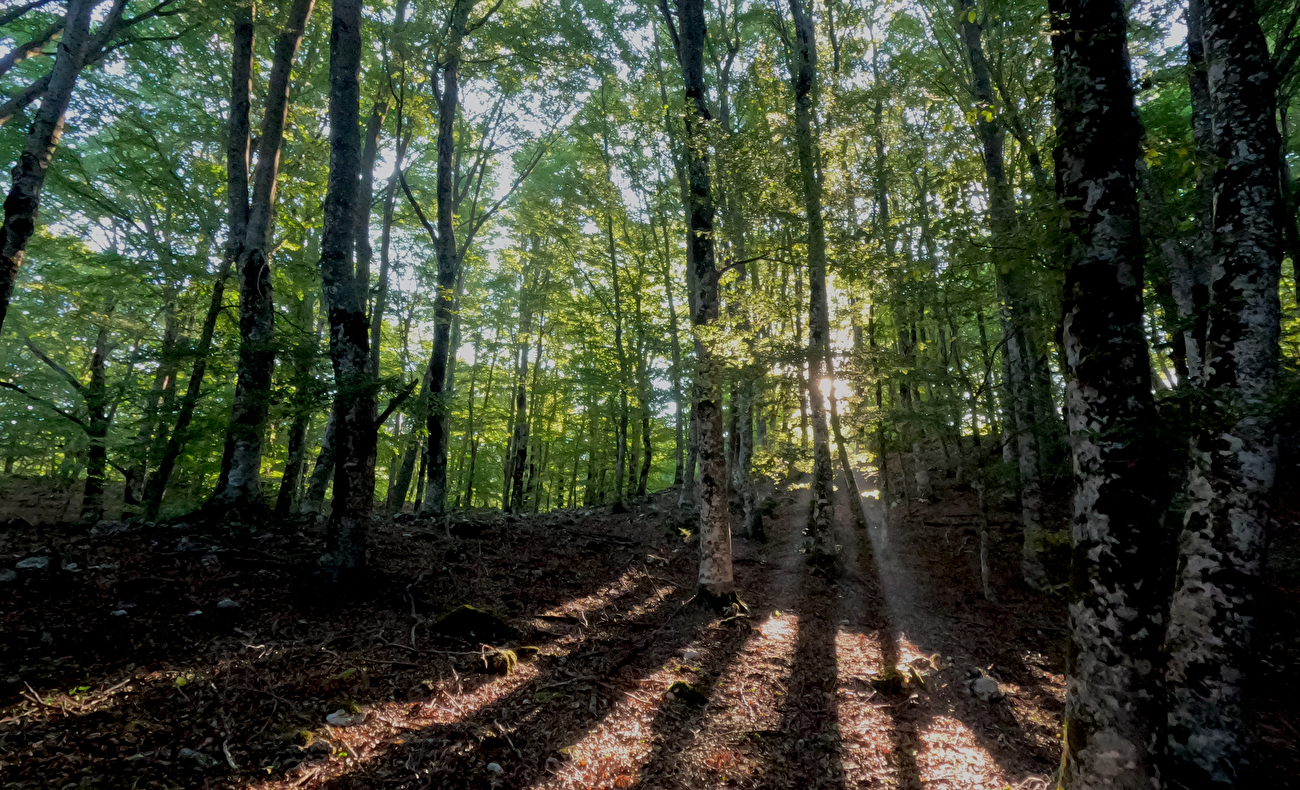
[(240, 484), (322, 473), (435, 500), (1235, 448), (365, 196), (97, 420), (803, 76), (355, 428), (24, 200), (1016, 309), (302, 409), (1113, 695), (237, 156), (716, 581)]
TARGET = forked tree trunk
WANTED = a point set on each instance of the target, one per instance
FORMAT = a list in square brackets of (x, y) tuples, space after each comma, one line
[(1234, 452), (240, 484), (1113, 689), (716, 580), (355, 428), (803, 76), (24, 200)]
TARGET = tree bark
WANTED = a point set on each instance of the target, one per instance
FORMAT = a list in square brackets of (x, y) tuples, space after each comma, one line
[(1113, 693), (24, 200), (355, 428), (1235, 448), (803, 77), (97, 422), (716, 580), (302, 408), (1016, 309), (240, 484), (435, 500)]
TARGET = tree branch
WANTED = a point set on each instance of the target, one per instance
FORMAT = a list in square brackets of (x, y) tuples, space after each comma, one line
[(396, 402), (41, 355), (406, 189), (9, 385)]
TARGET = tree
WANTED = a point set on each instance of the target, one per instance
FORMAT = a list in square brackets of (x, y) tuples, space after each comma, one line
[(1113, 698), (716, 582), (1235, 447)]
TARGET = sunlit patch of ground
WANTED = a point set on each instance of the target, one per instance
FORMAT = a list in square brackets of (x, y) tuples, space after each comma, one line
[(950, 757), (864, 720), (745, 698)]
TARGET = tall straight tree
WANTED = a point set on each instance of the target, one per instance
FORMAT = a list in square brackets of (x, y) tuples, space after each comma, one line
[(240, 483), (1012, 291), (803, 77), (448, 103), (24, 200), (1234, 452), (717, 584), (1113, 687), (347, 539)]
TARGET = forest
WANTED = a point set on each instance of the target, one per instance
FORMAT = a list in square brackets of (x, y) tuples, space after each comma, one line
[(650, 393)]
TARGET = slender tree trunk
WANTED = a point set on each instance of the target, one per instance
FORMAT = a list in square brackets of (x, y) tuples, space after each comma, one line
[(675, 373), (1015, 309), (237, 162), (1235, 448), (97, 421), (322, 473), (804, 79), (365, 196), (161, 399), (716, 580), (435, 500), (355, 428), (24, 200), (240, 484), (1114, 689), (304, 384)]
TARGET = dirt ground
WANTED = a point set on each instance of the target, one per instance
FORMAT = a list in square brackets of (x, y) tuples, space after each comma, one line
[(179, 657)]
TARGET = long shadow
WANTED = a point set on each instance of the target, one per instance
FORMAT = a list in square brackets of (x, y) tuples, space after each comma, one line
[(241, 679), (525, 729), (960, 631)]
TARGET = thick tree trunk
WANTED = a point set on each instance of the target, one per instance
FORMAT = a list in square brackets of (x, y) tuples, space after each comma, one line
[(1235, 449), (24, 200), (1016, 310), (347, 539), (716, 580), (240, 484), (804, 79), (1114, 689)]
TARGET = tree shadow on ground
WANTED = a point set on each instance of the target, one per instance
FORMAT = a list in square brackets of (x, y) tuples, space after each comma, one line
[(160, 695)]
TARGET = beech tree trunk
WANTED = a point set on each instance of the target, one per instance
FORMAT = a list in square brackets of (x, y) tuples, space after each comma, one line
[(237, 156), (716, 580), (1234, 451), (1113, 688), (1016, 309), (97, 421), (240, 484), (435, 499), (355, 428), (803, 76), (24, 199)]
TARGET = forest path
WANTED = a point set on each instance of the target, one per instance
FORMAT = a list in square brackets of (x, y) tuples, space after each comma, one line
[(132, 672)]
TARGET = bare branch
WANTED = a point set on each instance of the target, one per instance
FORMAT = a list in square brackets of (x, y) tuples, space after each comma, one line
[(9, 385), (42, 356)]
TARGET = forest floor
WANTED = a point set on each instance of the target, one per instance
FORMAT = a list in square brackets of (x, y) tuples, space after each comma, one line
[(177, 656)]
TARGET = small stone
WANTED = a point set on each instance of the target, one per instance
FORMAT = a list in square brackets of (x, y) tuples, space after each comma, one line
[(196, 613), (690, 655), (227, 603), (341, 718), (33, 564), (8, 575), (985, 688), (117, 613), (204, 760), (496, 769)]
